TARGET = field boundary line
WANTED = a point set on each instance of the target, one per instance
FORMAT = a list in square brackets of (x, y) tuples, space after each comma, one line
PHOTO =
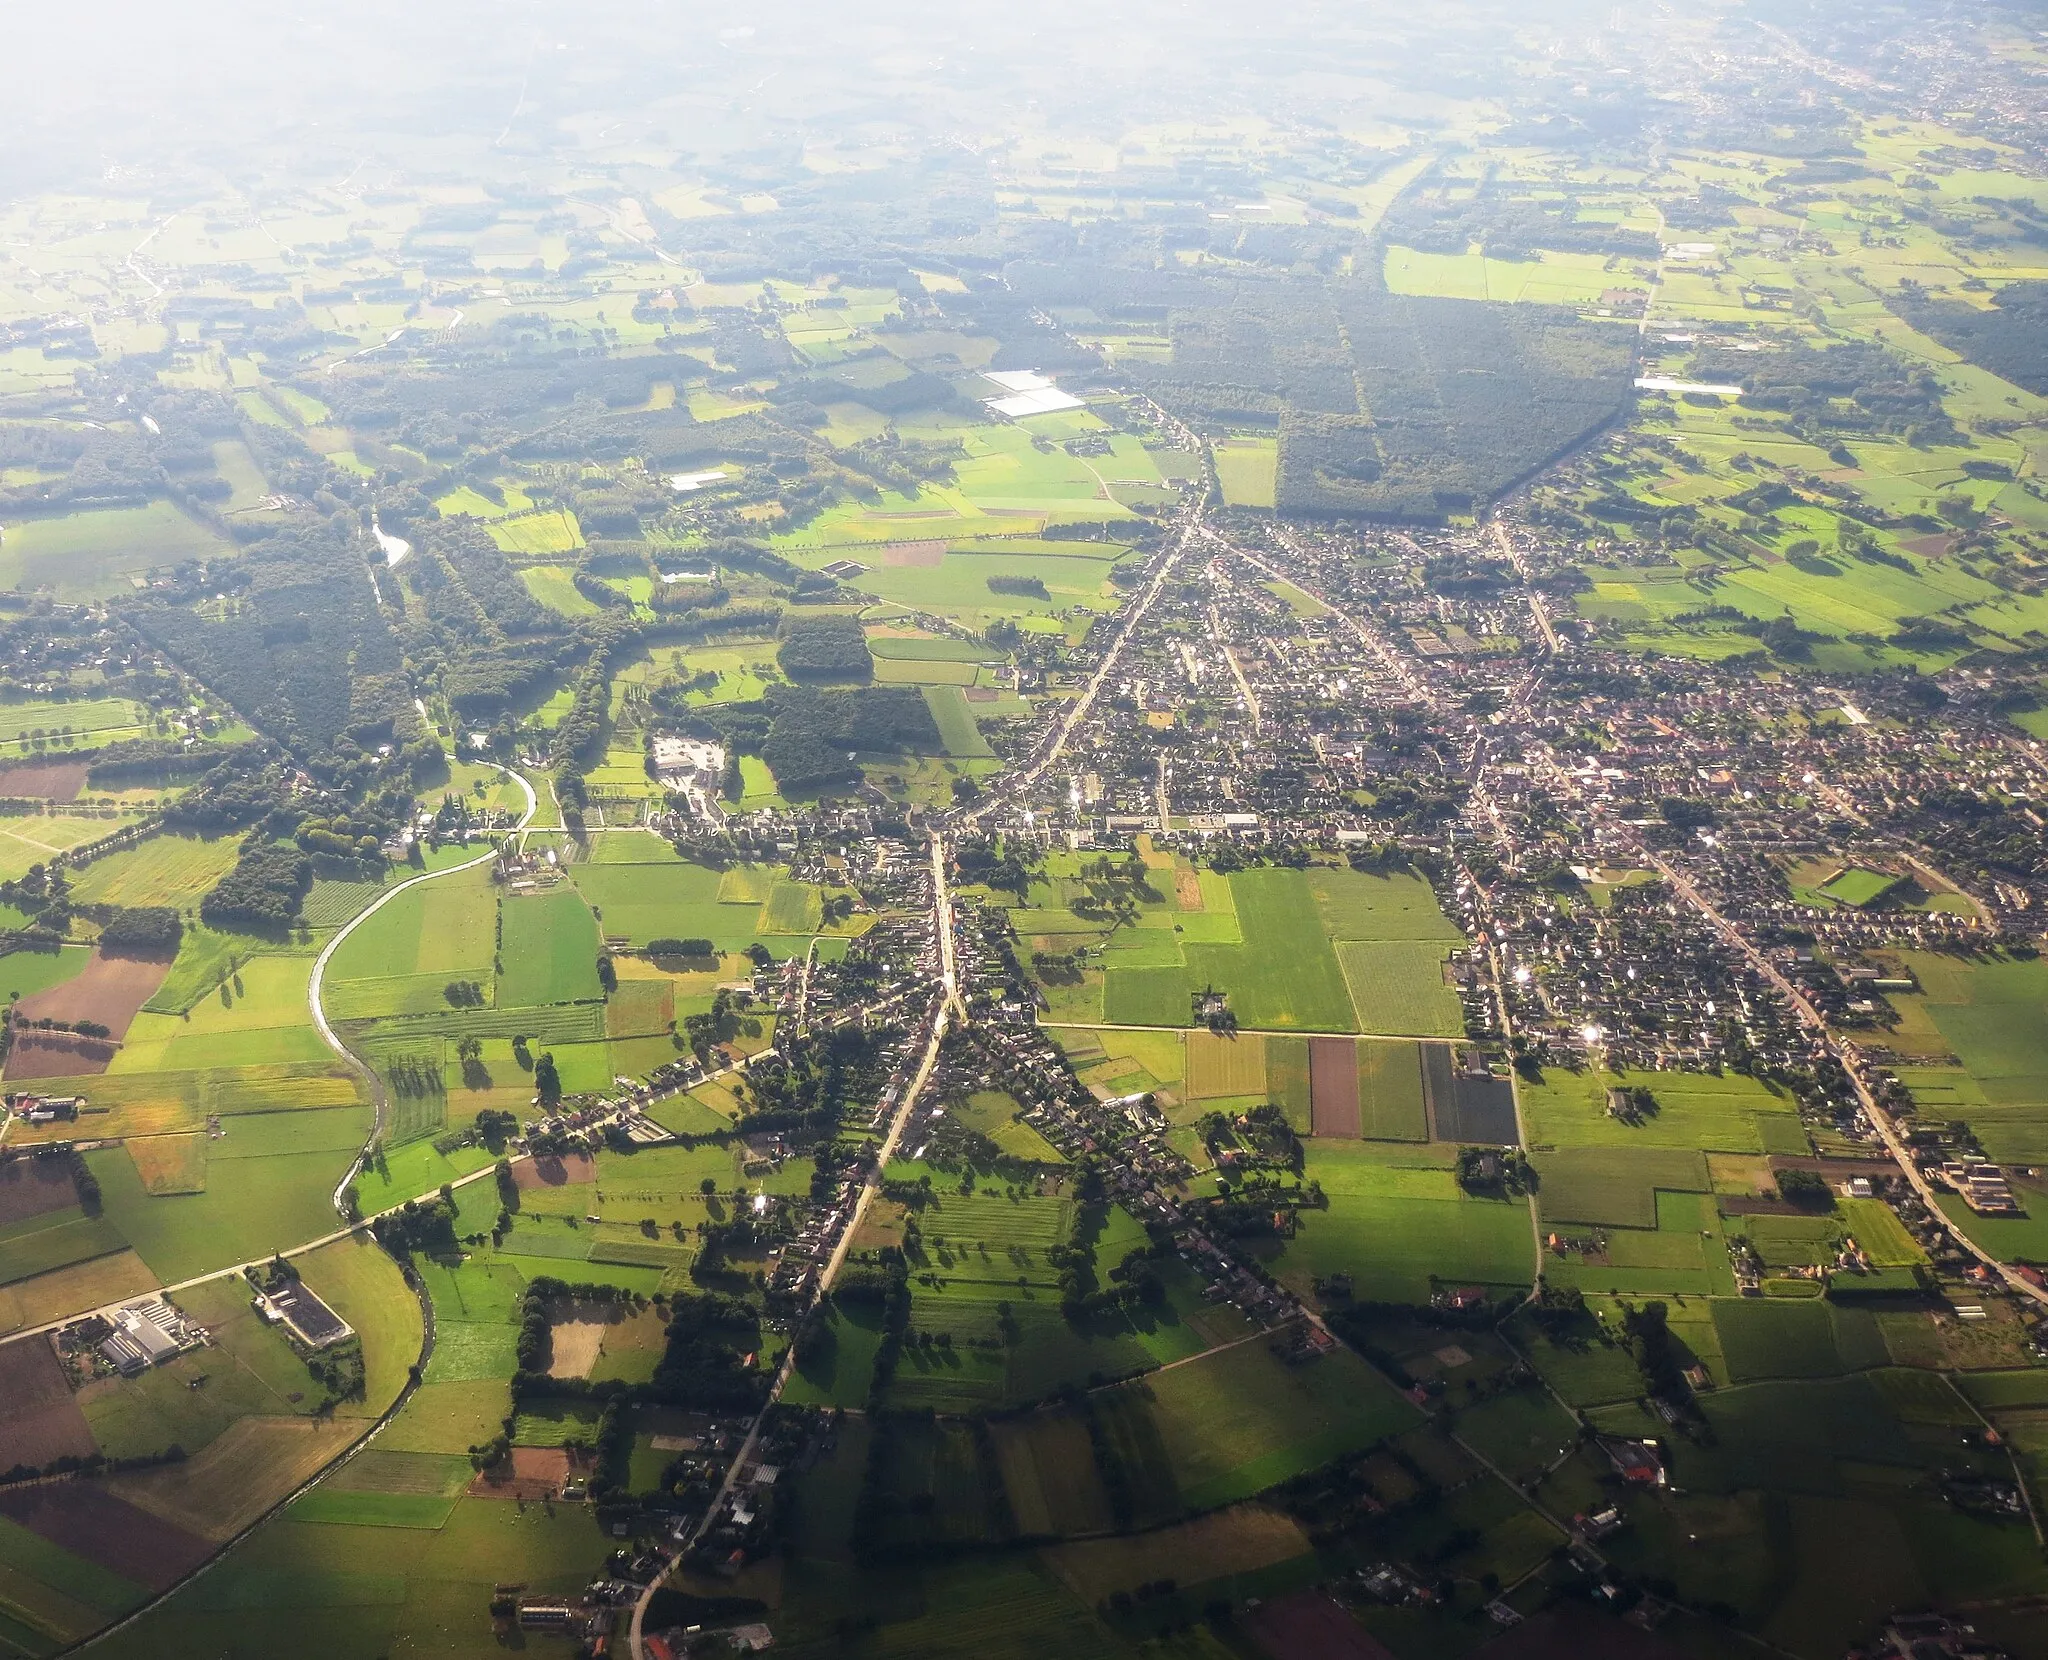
[(1247, 1031)]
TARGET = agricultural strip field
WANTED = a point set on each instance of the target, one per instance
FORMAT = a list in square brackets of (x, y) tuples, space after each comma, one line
[(1333, 1068), (164, 870)]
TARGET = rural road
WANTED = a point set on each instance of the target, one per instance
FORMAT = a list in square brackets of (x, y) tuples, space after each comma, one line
[(949, 1000), (1078, 712), (380, 1098)]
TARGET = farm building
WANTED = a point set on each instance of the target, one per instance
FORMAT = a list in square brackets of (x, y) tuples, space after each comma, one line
[(145, 1334), (304, 1315)]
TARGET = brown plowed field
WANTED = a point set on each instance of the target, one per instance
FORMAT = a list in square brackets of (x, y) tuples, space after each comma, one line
[(1310, 1626), (39, 1419), (550, 1171), (913, 555), (108, 992), (531, 1473), (57, 1055), (1333, 1088), (84, 1518), (59, 781), (34, 1187)]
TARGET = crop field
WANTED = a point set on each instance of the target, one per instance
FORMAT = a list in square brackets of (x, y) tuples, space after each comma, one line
[(1398, 1224), (165, 870), (955, 720), (1390, 1092), (1229, 1065), (550, 950), (1238, 1421)]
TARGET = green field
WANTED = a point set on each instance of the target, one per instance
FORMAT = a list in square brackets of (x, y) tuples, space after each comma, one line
[(165, 870), (957, 732), (1324, 950), (1238, 1421), (424, 937), (99, 719), (55, 1239), (664, 898), (28, 972), (1693, 1111), (1992, 1012), (277, 1200), (550, 950), (1248, 469), (1390, 1098), (1398, 1224), (92, 554)]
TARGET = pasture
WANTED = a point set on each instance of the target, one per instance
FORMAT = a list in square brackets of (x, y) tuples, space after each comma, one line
[(1690, 1110), (24, 973), (665, 898), (550, 949), (1397, 1222), (1992, 1013), (30, 840), (275, 1201), (91, 554), (426, 936)]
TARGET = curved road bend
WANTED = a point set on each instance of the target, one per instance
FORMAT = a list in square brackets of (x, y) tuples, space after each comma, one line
[(380, 1098)]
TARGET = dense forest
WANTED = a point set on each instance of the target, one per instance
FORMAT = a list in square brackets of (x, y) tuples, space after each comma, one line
[(2010, 337)]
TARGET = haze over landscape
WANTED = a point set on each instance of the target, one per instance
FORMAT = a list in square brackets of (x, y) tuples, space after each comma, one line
[(1145, 831)]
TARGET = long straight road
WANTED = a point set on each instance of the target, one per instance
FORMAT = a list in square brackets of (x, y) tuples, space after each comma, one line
[(942, 1013), (1077, 712)]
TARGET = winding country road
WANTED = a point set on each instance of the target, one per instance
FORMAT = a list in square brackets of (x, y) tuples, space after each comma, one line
[(380, 1097)]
